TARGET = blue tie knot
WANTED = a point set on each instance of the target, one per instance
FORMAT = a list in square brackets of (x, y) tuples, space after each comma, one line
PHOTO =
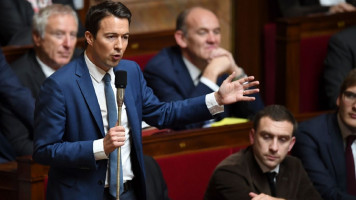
[(107, 78)]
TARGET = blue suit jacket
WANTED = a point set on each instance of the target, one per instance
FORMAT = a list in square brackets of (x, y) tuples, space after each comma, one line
[(169, 78), (68, 120), (19, 101), (320, 146)]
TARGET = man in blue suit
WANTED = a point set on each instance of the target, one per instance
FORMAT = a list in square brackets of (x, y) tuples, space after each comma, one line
[(321, 144), (72, 132), (18, 99), (197, 65)]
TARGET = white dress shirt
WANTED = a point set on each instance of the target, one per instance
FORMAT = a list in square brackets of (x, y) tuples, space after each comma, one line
[(48, 71), (97, 75)]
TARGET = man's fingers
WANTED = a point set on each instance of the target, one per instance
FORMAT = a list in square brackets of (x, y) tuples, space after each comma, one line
[(251, 91), (244, 80), (247, 85), (230, 77)]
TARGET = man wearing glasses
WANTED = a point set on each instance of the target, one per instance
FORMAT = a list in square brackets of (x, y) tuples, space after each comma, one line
[(327, 148)]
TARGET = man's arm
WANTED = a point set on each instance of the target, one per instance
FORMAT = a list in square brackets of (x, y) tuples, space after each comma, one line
[(14, 94), (56, 141), (19, 136), (228, 184)]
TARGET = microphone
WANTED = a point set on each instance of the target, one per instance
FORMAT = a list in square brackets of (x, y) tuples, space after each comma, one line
[(120, 84)]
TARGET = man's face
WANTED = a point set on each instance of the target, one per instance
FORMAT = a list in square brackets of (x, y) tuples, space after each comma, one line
[(272, 141), (107, 49), (347, 107), (203, 33), (57, 45)]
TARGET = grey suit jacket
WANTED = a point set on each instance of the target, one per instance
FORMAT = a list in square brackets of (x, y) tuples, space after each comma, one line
[(239, 174)]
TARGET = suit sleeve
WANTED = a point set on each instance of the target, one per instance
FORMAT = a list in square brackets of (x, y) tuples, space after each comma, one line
[(50, 129), (227, 183), (19, 136), (338, 64), (169, 114)]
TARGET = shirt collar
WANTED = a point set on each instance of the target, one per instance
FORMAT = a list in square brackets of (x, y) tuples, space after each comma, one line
[(264, 168), (96, 72), (194, 72), (48, 71)]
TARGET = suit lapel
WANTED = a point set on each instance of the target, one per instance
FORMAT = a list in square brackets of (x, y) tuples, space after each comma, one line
[(259, 180), (282, 181), (36, 73), (86, 87), (183, 79)]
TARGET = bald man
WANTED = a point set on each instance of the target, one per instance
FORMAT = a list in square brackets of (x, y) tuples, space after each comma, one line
[(197, 65)]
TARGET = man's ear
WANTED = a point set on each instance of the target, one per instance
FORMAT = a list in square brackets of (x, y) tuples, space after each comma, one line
[(292, 142), (36, 38), (252, 136), (338, 100), (180, 38), (89, 38)]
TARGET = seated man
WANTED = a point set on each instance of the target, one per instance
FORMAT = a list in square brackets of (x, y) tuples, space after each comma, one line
[(54, 35), (18, 100), (340, 60), (322, 142), (197, 66), (264, 170)]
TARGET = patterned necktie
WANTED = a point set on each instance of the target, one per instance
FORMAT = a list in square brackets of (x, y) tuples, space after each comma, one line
[(112, 118), (272, 184), (350, 166)]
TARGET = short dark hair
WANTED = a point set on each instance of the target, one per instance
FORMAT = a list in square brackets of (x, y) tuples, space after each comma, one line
[(276, 113), (98, 12), (349, 81), (180, 22)]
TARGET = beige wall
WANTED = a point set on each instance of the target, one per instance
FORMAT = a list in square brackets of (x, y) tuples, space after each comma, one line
[(156, 15)]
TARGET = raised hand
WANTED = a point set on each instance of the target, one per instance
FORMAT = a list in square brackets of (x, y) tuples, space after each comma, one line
[(234, 91)]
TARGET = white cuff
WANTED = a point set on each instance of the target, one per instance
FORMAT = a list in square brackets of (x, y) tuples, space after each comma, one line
[(209, 83), (98, 149), (213, 106)]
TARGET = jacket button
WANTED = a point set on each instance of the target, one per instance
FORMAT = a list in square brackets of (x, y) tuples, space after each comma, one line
[(100, 182)]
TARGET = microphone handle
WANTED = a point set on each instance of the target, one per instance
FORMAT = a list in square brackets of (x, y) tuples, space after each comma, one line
[(120, 100)]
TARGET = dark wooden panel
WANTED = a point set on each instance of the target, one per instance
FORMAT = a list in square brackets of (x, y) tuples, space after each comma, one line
[(180, 141)]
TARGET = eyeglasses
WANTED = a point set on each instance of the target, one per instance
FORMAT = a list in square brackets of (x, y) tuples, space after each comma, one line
[(349, 97)]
